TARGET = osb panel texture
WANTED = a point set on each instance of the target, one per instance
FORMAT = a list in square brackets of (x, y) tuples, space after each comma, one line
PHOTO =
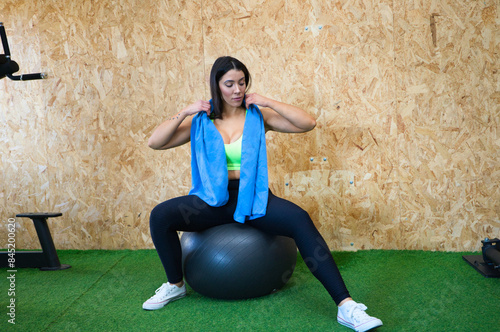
[(406, 94)]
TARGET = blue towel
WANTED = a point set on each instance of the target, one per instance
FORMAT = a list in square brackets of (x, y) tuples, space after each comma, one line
[(209, 167)]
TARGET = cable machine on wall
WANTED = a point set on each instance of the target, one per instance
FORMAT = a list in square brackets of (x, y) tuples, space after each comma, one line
[(8, 67), (46, 259)]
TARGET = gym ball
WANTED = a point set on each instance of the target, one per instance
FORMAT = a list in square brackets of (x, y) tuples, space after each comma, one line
[(236, 261)]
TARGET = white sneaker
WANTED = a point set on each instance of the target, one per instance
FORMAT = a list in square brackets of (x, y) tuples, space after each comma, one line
[(353, 315), (165, 294)]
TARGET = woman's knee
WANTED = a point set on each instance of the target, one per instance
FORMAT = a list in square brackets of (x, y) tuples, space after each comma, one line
[(301, 224), (160, 216), (298, 217)]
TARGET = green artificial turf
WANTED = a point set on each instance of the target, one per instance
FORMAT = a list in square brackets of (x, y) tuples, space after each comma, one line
[(104, 291)]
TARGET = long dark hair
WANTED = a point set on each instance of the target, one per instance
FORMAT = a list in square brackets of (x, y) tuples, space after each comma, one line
[(221, 66)]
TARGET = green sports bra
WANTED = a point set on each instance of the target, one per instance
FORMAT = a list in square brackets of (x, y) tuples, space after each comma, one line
[(233, 154)]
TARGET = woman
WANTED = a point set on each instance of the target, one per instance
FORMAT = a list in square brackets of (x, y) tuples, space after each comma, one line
[(229, 110)]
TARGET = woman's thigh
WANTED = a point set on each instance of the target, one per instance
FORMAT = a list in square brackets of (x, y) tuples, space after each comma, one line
[(191, 214), (284, 218)]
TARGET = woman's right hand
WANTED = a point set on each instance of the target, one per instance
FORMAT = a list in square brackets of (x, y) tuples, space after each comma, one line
[(176, 130), (199, 106)]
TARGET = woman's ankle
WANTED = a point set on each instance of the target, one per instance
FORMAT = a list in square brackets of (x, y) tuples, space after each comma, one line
[(344, 301), (179, 284)]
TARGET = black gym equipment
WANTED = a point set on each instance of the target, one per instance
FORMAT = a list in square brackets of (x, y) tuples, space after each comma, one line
[(488, 264), (9, 67), (236, 261), (45, 260)]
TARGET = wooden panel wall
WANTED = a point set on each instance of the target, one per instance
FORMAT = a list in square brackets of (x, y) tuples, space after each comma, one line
[(404, 156)]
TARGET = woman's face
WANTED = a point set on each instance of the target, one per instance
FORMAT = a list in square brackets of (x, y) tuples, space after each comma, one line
[(232, 87)]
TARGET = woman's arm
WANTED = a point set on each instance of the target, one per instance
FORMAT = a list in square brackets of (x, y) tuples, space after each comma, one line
[(282, 117), (176, 131)]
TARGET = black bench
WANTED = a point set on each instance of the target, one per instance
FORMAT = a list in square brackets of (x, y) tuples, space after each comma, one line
[(47, 259)]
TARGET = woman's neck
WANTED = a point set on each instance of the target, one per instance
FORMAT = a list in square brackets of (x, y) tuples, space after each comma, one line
[(230, 112)]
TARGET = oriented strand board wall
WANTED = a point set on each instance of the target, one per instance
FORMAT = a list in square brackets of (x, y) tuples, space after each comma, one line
[(405, 154), (448, 122)]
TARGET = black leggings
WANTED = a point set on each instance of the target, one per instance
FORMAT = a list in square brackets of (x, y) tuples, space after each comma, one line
[(191, 214)]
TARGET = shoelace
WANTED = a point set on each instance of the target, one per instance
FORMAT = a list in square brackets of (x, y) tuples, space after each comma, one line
[(160, 289), (358, 313)]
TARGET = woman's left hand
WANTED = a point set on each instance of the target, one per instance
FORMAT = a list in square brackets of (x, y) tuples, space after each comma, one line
[(254, 98)]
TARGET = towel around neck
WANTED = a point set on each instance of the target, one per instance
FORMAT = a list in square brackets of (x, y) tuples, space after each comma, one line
[(209, 167)]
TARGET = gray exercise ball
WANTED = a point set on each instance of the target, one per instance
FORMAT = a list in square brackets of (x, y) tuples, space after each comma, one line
[(236, 261)]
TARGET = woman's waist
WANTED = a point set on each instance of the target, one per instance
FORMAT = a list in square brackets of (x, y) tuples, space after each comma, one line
[(233, 175), (233, 184)]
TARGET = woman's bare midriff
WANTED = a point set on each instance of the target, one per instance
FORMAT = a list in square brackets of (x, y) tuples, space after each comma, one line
[(233, 175)]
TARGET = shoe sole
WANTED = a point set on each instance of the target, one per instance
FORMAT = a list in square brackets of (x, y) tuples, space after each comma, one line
[(159, 306), (365, 326)]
